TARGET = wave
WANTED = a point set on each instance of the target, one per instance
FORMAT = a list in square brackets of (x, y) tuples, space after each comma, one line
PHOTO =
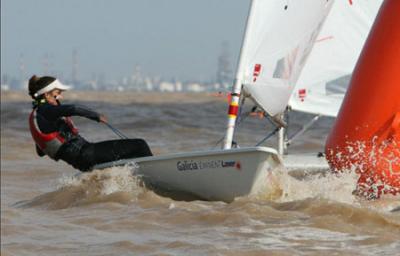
[(281, 187), (115, 184), (118, 185)]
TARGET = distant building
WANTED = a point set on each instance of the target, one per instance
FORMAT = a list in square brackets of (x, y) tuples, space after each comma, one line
[(148, 84), (167, 87), (178, 86), (195, 87)]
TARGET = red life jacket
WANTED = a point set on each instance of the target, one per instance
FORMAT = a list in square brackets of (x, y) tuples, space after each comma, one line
[(49, 143)]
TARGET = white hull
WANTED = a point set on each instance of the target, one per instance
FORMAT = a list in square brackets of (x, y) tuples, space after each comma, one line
[(211, 175)]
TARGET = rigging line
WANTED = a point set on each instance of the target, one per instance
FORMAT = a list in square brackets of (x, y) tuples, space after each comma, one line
[(116, 131), (219, 141), (244, 116), (268, 117), (303, 129), (268, 136), (239, 119)]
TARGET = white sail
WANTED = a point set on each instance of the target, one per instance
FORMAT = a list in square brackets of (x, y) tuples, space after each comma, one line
[(279, 37), (326, 75)]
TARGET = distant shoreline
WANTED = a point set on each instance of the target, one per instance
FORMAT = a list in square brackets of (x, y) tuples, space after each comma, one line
[(123, 97)]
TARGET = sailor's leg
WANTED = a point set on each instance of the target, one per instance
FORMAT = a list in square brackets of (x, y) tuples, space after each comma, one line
[(108, 151)]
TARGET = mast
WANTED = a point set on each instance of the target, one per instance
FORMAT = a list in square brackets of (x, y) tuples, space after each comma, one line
[(281, 141), (282, 135), (237, 85)]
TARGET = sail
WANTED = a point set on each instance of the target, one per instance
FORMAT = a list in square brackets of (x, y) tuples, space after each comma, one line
[(326, 75), (279, 37)]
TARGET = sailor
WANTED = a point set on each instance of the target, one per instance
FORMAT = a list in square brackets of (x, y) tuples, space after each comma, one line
[(56, 136)]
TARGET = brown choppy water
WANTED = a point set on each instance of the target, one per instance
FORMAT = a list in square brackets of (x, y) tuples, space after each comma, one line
[(48, 209)]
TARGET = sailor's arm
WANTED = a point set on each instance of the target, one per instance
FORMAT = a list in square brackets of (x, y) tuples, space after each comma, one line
[(56, 112)]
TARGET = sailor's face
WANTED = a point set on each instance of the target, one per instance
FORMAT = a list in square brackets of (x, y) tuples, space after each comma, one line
[(53, 96)]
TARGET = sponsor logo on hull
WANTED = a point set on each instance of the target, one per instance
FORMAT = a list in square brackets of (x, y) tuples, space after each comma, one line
[(190, 165)]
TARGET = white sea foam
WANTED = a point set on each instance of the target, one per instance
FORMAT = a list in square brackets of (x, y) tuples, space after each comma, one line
[(282, 187), (106, 181)]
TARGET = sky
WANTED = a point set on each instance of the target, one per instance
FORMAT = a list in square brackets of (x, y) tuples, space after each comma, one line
[(179, 39)]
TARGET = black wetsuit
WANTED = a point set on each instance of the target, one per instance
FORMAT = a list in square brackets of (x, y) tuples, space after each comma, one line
[(78, 152)]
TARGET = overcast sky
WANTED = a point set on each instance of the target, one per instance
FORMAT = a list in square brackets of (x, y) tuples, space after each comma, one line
[(172, 38)]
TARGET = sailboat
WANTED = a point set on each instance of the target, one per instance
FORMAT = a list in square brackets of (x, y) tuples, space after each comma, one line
[(278, 39)]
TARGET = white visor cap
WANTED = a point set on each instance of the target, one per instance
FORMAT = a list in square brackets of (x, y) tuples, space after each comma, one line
[(56, 84)]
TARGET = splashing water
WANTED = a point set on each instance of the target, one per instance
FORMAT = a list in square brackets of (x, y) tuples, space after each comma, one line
[(377, 162), (115, 184), (107, 181), (282, 187)]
